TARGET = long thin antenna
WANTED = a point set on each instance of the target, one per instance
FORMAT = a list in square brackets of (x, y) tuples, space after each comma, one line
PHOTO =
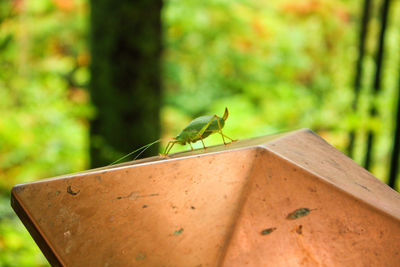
[(133, 152), (141, 152)]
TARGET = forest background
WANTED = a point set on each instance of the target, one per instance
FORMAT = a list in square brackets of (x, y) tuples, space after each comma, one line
[(278, 65)]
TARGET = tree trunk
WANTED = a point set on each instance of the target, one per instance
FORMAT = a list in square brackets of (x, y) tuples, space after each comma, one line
[(359, 68), (394, 160), (373, 113), (125, 77)]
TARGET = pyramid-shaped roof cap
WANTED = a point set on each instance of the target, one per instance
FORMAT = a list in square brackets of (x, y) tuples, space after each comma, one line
[(285, 200)]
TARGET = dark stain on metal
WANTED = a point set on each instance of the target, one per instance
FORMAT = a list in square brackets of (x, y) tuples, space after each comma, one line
[(312, 189), (298, 213), (268, 231), (135, 195), (363, 186), (144, 206), (70, 191), (178, 232), (299, 229), (140, 256)]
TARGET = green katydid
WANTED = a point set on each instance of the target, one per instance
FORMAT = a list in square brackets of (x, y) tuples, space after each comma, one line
[(198, 129)]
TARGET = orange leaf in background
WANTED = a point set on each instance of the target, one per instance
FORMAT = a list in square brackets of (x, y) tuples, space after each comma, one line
[(342, 14), (83, 59), (18, 6), (65, 5), (259, 28), (78, 95), (302, 7), (305, 77), (244, 45), (58, 48)]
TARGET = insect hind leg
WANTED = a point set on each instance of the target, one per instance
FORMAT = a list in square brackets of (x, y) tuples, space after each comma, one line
[(204, 146), (191, 147), (201, 132), (232, 140), (222, 134), (220, 130)]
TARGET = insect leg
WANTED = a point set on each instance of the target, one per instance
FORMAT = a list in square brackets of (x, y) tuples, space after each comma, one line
[(202, 142), (202, 130), (169, 146), (229, 138), (172, 144), (166, 148), (200, 133), (220, 131), (190, 145)]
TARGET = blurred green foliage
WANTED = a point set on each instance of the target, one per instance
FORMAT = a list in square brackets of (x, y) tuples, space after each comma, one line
[(44, 108), (277, 65)]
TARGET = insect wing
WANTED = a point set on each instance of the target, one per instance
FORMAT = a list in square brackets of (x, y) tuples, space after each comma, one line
[(192, 129), (198, 123)]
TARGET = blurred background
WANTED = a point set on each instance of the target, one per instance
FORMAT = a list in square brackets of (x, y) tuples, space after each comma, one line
[(84, 82)]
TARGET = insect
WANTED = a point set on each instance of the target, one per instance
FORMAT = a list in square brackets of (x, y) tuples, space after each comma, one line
[(199, 129)]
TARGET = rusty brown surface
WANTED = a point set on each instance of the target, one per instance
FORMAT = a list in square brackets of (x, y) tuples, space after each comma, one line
[(286, 200)]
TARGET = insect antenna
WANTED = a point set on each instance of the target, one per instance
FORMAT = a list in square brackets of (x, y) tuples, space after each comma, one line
[(143, 148), (141, 152)]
